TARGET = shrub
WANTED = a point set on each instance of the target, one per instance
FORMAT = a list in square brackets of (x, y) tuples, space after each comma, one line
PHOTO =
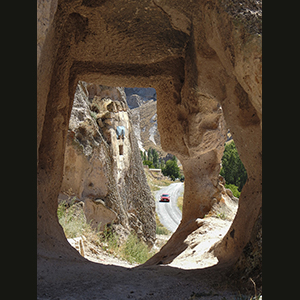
[(109, 240), (236, 193), (135, 250), (221, 216), (233, 169), (171, 169), (148, 163), (93, 115), (72, 219)]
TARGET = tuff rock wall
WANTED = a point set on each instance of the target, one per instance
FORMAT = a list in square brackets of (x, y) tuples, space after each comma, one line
[(103, 171), (204, 60)]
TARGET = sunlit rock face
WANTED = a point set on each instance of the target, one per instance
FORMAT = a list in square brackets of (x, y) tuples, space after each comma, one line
[(103, 168)]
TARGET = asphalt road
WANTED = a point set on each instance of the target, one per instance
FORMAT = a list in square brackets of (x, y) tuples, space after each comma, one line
[(168, 212)]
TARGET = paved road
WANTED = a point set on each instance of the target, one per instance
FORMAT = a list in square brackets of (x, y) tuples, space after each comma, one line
[(168, 212)]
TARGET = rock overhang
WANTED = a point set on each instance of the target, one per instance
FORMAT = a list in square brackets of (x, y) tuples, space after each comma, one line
[(214, 54)]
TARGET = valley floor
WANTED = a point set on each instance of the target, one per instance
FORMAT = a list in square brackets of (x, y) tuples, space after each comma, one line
[(107, 277), (194, 274), (196, 256)]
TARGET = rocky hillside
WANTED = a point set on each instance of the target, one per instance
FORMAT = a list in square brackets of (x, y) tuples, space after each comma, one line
[(102, 165), (144, 119), (142, 102), (138, 96)]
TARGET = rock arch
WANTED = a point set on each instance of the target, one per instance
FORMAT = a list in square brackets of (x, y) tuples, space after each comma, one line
[(205, 65)]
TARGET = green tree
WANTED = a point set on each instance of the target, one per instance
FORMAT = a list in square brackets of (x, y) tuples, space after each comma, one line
[(150, 157), (162, 163), (234, 190), (171, 169), (155, 158), (233, 169), (145, 155), (148, 163)]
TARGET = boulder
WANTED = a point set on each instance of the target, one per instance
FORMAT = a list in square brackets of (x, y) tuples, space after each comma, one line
[(229, 193), (98, 214)]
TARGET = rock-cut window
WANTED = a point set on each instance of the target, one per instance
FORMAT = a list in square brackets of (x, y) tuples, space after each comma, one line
[(120, 149)]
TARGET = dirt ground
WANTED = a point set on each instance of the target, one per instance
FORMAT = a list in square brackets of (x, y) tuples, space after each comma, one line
[(196, 256), (88, 280), (192, 275)]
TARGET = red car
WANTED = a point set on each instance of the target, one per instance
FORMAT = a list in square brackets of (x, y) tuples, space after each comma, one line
[(164, 198)]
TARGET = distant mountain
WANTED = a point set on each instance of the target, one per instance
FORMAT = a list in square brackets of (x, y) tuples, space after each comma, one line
[(138, 96)]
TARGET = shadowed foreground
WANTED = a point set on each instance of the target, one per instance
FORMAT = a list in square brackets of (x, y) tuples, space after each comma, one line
[(87, 280)]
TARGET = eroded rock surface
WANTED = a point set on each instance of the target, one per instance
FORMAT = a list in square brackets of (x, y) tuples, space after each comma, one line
[(204, 60), (103, 169), (98, 214)]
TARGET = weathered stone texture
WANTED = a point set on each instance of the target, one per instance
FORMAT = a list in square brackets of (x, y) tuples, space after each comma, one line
[(96, 170), (206, 68)]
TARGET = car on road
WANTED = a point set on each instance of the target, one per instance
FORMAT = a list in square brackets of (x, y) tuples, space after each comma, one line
[(164, 198)]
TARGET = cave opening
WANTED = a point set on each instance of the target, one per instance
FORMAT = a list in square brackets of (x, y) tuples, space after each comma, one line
[(104, 146), (111, 116), (195, 55), (120, 149)]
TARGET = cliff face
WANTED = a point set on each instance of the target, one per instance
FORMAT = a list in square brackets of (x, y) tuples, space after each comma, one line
[(144, 119), (104, 169)]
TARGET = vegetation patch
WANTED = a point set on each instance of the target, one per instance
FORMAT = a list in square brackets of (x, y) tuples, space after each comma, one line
[(156, 184), (72, 218), (132, 250), (169, 168), (236, 193), (160, 229), (180, 202), (233, 169)]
